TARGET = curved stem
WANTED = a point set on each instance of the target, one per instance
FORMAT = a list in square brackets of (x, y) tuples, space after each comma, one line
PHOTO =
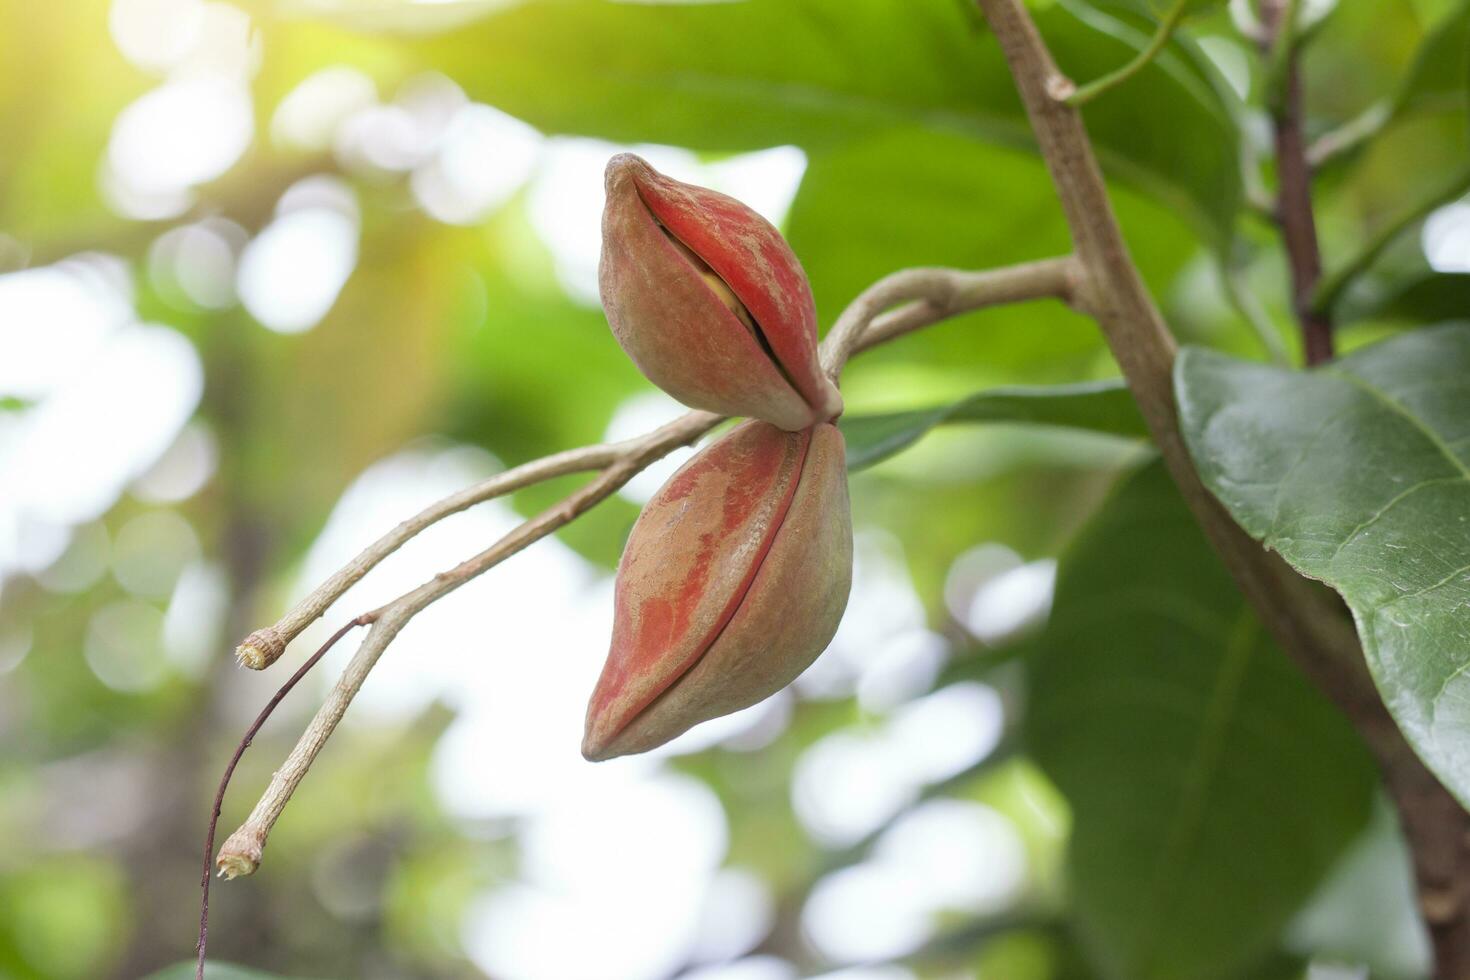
[(1086, 93), (263, 647), (224, 782), (938, 294), (241, 852), (944, 293), (933, 294)]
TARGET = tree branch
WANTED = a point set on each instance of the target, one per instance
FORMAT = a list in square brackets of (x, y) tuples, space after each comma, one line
[(932, 294), (224, 782), (264, 646), (938, 294), (240, 854), (1294, 175), (1305, 619)]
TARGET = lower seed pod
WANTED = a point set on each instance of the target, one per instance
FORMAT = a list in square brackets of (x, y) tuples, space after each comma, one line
[(733, 581)]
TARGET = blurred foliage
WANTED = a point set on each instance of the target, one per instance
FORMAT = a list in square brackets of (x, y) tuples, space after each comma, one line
[(471, 332), (1194, 872)]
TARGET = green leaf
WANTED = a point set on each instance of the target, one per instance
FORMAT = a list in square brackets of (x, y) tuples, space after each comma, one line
[(1358, 473), (1105, 406), (1440, 77), (738, 76), (1211, 787)]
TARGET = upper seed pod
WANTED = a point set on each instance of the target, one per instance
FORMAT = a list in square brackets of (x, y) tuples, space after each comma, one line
[(709, 301), (732, 582)]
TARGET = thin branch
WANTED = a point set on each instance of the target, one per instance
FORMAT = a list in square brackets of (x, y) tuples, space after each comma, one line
[(938, 294), (263, 647), (947, 291), (944, 292), (933, 295), (1279, 22), (241, 853), (1306, 620), (1331, 288), (1112, 79), (1350, 135), (224, 782), (1297, 218)]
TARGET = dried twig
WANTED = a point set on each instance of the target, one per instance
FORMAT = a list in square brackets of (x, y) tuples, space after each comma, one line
[(240, 854), (936, 293), (263, 647), (224, 782), (933, 295)]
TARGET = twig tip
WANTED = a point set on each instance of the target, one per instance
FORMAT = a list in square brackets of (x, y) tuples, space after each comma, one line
[(261, 649), (235, 866), (240, 855)]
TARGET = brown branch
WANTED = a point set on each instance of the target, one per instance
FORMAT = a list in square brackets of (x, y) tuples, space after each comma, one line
[(934, 295), (240, 854), (1294, 176), (1304, 618), (224, 782), (264, 646), (937, 294)]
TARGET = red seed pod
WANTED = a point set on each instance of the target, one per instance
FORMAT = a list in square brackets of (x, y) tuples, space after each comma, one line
[(733, 581), (709, 301)]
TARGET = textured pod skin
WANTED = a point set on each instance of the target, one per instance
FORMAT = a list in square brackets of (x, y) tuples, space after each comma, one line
[(732, 582), (708, 300)]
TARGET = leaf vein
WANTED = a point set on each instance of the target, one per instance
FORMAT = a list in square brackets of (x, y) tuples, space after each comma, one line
[(1399, 498), (1397, 407)]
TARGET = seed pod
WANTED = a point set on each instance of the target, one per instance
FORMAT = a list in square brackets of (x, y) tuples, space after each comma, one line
[(709, 301), (732, 582)]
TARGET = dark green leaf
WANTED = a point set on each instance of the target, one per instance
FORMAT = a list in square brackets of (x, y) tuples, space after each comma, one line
[(1104, 406), (1211, 787), (740, 76), (1358, 473)]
